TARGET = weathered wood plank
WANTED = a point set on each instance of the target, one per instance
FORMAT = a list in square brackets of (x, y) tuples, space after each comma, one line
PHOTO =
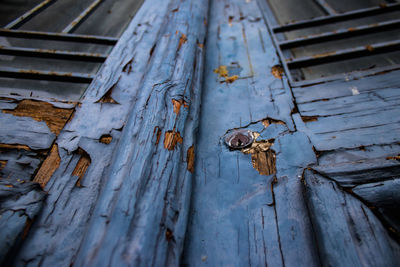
[(349, 174), (347, 232), (358, 154), (158, 59), (20, 202), (239, 217), (384, 197), (346, 86), (152, 170), (120, 174)]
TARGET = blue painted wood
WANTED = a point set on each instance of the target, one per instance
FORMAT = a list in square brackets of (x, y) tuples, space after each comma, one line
[(239, 217), (20, 202), (350, 236), (158, 59), (146, 196), (330, 196), (384, 197)]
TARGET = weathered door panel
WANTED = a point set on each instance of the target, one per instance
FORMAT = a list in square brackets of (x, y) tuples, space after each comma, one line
[(141, 174)]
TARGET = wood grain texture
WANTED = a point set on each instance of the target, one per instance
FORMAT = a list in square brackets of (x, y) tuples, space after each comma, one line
[(238, 216), (156, 60), (20, 202), (141, 175), (350, 235), (48, 167), (352, 113)]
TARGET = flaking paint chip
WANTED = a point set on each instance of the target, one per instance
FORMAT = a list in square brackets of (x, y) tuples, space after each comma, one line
[(277, 71), (354, 90), (222, 72)]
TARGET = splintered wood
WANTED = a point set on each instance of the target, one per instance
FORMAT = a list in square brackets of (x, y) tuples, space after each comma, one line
[(264, 162), (263, 158), (49, 166), (54, 117), (178, 104), (82, 165), (172, 138)]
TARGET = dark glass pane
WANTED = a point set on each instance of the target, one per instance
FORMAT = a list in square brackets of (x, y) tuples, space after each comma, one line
[(109, 18)]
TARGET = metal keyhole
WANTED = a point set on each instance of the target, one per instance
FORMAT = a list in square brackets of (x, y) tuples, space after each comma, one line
[(239, 139)]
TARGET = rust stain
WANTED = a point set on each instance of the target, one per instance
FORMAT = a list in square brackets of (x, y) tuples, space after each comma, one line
[(107, 97), (158, 130), (3, 164), (351, 29), (172, 138), (277, 71), (309, 118), (105, 139), (200, 45), (82, 166), (182, 40), (49, 166), (263, 158), (324, 54), (370, 48), (190, 158), (175, 10), (54, 117)]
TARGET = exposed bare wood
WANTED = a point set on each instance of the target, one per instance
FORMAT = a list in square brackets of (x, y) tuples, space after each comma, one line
[(107, 97), (49, 166), (106, 139), (3, 163), (277, 71), (16, 146), (82, 166), (54, 117), (190, 158), (171, 139)]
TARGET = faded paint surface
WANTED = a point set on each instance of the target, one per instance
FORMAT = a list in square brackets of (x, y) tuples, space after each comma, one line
[(140, 174)]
